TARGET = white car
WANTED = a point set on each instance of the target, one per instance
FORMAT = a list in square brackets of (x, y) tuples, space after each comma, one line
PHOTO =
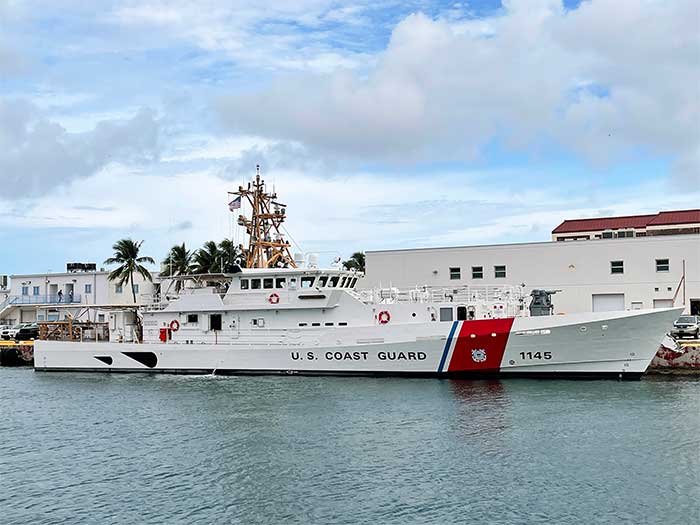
[(9, 333)]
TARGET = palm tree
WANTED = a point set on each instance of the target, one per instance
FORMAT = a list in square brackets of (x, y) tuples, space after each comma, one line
[(178, 262), (355, 262), (231, 255), (208, 258), (126, 254)]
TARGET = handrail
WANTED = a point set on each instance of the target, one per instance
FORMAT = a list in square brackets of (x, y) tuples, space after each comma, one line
[(44, 299)]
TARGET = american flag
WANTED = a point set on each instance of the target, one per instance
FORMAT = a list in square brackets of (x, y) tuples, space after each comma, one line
[(235, 204)]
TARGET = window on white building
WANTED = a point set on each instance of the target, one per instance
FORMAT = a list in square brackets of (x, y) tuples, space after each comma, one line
[(118, 288), (499, 272), (662, 265), (617, 267), (36, 290), (100, 318), (477, 272), (455, 274), (607, 235), (25, 290), (136, 289), (88, 288)]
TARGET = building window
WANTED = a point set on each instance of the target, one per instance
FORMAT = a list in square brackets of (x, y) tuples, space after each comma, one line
[(100, 318), (35, 290), (499, 272), (136, 288), (88, 288), (445, 314), (455, 274), (477, 272), (25, 290), (118, 288), (617, 267), (192, 318), (607, 235), (623, 234), (662, 265)]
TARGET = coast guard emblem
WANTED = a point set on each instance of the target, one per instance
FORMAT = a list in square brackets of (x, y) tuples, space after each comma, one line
[(478, 355)]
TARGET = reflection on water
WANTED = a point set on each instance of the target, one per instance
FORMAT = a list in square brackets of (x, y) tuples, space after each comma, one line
[(153, 449)]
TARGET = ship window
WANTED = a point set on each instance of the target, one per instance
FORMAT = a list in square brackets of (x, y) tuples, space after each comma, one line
[(329, 324), (281, 282), (303, 324), (342, 324), (354, 282), (315, 324), (244, 284), (255, 284), (617, 266), (307, 282), (445, 314), (192, 318), (334, 281), (322, 281), (261, 322), (342, 282), (499, 272), (268, 283), (477, 272), (461, 313), (215, 322), (662, 265), (293, 283)]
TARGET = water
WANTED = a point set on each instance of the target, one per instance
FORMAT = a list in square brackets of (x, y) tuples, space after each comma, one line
[(94, 448)]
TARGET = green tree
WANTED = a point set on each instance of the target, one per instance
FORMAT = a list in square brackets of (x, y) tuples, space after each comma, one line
[(231, 255), (126, 255), (355, 262), (208, 258), (178, 262)]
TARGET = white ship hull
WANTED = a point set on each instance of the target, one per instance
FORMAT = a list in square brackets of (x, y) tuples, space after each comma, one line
[(610, 344)]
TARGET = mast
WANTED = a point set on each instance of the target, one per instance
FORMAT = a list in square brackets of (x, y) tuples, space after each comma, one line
[(267, 247)]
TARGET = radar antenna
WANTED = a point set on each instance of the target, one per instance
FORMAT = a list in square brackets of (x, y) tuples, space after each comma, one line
[(267, 247)]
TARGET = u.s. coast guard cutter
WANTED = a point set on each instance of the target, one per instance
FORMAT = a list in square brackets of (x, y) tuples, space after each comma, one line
[(278, 316)]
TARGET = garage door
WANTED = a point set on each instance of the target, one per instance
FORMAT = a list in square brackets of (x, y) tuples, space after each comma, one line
[(608, 302), (663, 303)]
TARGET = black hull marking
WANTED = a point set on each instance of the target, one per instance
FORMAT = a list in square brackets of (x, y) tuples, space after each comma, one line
[(148, 359)]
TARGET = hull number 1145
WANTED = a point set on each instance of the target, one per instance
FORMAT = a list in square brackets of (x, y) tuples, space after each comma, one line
[(535, 355)]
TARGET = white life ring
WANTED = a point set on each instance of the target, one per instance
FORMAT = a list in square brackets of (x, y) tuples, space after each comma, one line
[(274, 298), (174, 325), (384, 317)]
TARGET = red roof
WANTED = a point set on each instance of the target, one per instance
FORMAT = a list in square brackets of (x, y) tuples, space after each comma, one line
[(629, 221), (676, 217)]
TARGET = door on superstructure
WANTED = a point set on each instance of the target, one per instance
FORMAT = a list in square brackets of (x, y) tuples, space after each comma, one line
[(215, 322), (695, 307), (461, 313)]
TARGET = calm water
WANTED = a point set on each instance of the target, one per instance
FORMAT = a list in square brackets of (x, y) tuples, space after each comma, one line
[(171, 449)]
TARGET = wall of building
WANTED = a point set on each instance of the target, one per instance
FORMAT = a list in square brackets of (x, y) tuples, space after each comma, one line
[(580, 269)]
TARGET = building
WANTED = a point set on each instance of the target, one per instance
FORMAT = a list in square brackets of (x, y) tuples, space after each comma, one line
[(53, 296), (607, 274), (679, 222)]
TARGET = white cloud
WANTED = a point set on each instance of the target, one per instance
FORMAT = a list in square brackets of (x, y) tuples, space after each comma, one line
[(609, 78)]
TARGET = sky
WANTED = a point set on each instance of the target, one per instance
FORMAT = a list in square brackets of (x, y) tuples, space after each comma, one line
[(381, 124)]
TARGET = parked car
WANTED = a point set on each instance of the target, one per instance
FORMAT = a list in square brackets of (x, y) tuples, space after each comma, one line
[(28, 333), (9, 334), (686, 326)]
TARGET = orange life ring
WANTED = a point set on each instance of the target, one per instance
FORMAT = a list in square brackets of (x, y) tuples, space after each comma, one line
[(384, 317), (174, 325), (274, 298)]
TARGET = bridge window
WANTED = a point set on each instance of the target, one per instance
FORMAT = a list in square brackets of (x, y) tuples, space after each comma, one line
[(255, 284), (445, 314), (268, 283), (281, 282), (342, 282), (192, 318), (244, 284), (354, 281), (322, 281), (307, 282), (334, 281)]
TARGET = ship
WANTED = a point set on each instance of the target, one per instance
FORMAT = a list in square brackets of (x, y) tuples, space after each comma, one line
[(276, 313)]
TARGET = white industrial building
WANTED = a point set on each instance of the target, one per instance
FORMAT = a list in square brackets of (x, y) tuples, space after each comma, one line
[(53, 296), (603, 270)]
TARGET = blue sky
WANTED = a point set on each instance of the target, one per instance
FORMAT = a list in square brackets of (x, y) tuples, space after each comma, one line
[(382, 124)]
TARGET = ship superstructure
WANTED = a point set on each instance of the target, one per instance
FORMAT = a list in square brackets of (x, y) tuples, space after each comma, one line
[(278, 315)]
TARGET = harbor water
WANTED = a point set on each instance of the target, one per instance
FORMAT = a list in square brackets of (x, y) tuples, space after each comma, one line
[(92, 448)]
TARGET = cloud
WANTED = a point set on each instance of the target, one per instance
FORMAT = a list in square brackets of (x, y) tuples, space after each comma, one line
[(529, 75), (37, 154)]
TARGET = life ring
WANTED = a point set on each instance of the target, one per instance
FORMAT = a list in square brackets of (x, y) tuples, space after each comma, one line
[(274, 298), (384, 317), (174, 325)]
